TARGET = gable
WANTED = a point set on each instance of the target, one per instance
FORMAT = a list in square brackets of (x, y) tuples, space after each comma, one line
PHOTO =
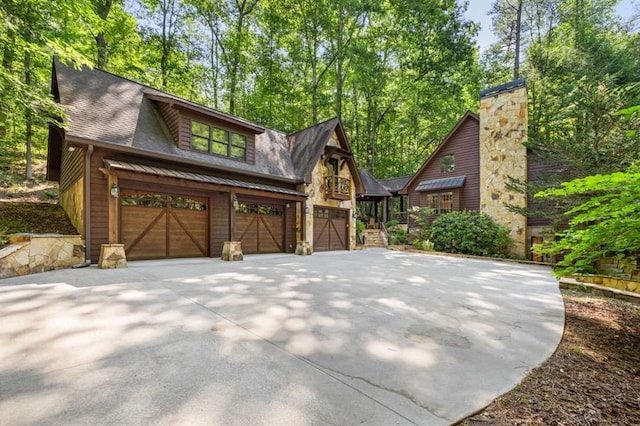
[(462, 142), (327, 139), (110, 111)]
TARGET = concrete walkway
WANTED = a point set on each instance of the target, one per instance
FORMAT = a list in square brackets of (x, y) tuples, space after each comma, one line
[(370, 337)]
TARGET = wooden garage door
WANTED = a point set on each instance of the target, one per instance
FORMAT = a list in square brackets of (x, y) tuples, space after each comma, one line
[(260, 227), (156, 226), (329, 229)]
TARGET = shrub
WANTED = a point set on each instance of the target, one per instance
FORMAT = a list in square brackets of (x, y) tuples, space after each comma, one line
[(397, 235), (469, 233), (360, 226), (422, 216), (425, 245)]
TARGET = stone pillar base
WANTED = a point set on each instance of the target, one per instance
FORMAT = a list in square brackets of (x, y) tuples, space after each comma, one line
[(112, 256), (232, 251), (303, 248)]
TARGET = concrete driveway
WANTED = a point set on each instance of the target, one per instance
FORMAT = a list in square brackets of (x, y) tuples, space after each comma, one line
[(370, 337)]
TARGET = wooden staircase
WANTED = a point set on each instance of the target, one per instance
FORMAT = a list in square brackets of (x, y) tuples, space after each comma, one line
[(374, 238)]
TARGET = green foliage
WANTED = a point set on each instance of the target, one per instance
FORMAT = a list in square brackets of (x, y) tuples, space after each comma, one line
[(422, 218), (397, 235), (605, 225), (4, 239), (469, 232), (360, 227), (425, 245)]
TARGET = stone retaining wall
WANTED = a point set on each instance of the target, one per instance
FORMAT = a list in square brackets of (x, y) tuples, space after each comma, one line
[(31, 253), (611, 282)]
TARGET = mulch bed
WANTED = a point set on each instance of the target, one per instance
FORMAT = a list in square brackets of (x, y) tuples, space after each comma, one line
[(592, 379)]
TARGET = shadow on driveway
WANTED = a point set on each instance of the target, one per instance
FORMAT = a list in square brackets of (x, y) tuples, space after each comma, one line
[(344, 338)]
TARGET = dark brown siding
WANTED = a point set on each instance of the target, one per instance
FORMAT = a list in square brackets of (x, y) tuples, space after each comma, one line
[(464, 144), (71, 167), (541, 172), (171, 118), (99, 208), (219, 220), (185, 133), (290, 228)]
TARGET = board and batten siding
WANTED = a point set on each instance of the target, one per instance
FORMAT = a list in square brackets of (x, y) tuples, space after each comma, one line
[(463, 143)]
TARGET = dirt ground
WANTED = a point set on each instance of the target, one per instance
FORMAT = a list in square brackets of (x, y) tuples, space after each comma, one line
[(592, 379)]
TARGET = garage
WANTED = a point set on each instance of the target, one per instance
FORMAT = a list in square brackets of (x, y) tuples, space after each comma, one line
[(330, 230), (154, 226), (261, 227)]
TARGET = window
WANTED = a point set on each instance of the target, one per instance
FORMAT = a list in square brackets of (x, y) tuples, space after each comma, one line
[(440, 203), (447, 163), (213, 140)]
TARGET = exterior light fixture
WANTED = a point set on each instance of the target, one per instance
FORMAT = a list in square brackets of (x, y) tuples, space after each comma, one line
[(234, 202), (306, 209), (115, 190)]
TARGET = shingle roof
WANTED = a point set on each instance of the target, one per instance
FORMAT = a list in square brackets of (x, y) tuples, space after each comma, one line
[(109, 109), (372, 187), (195, 177), (446, 183), (308, 144), (395, 184)]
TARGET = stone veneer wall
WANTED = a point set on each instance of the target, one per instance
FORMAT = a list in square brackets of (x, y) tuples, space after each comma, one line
[(29, 253), (316, 197), (503, 129)]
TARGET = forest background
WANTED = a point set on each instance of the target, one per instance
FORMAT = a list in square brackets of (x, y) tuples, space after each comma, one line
[(399, 73)]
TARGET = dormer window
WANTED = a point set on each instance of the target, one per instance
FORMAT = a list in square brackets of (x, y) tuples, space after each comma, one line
[(213, 140)]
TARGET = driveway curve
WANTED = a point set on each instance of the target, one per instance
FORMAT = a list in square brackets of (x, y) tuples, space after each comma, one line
[(371, 337)]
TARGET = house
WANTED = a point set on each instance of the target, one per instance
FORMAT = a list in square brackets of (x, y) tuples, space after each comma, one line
[(381, 200), (473, 165), (168, 178)]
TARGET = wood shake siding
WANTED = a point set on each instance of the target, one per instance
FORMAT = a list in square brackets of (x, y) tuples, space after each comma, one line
[(463, 143), (71, 169), (171, 118)]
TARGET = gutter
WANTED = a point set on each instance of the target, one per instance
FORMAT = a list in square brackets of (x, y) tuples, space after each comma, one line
[(87, 203)]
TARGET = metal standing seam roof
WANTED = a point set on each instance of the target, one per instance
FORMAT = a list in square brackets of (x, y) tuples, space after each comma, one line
[(197, 177), (446, 183)]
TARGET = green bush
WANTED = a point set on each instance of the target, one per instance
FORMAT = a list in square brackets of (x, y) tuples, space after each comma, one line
[(469, 232), (360, 226), (422, 218), (425, 245), (397, 235)]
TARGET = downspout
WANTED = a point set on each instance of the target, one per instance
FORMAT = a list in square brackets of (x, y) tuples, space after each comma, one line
[(87, 203)]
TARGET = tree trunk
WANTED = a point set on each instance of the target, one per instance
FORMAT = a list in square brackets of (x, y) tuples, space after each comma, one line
[(516, 61), (339, 62), (102, 10), (27, 116)]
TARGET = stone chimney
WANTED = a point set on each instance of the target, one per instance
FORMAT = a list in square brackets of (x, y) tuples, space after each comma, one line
[(503, 129)]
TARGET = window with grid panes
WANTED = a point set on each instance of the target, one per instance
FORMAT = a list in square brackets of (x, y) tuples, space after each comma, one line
[(213, 140)]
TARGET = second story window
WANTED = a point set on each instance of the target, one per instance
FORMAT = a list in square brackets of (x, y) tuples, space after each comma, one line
[(213, 140), (447, 163)]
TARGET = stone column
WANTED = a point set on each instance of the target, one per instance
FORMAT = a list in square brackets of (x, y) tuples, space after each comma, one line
[(503, 129), (232, 251)]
